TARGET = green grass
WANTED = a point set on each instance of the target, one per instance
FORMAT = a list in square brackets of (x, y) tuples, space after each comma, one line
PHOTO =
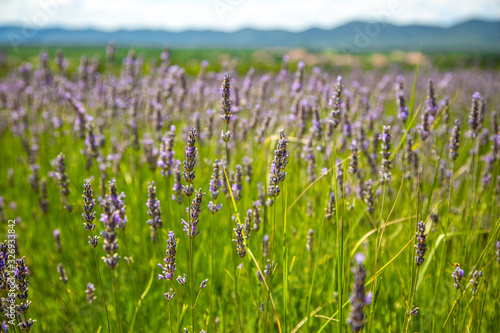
[(309, 291)]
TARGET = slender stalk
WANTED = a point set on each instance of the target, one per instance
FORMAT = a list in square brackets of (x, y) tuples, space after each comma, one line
[(102, 290), (251, 285), (413, 280), (445, 232), (192, 278), (211, 311), (285, 266), (116, 301), (170, 311), (377, 249)]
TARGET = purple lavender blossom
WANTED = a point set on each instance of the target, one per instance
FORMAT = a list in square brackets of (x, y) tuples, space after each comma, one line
[(336, 102), (214, 208), (90, 293), (239, 240), (474, 280), (178, 194), (225, 101), (359, 299), (385, 171), (455, 140), (169, 268), (421, 245), (57, 237), (118, 205), (166, 158), (88, 206), (190, 162), (457, 276), (215, 182), (155, 222), (110, 218), (474, 115), (278, 165), (191, 227)]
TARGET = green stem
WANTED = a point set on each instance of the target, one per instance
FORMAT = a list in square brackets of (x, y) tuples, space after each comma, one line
[(192, 279), (102, 290), (170, 310), (211, 311), (116, 301)]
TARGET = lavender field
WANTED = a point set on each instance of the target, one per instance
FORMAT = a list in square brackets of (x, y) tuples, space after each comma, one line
[(138, 196)]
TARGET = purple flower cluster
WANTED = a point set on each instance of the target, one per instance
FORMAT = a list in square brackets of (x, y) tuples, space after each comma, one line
[(110, 218), (20, 275), (403, 112), (155, 222), (191, 227), (385, 171), (190, 162), (474, 115), (60, 172), (421, 245), (455, 140), (474, 280), (166, 158), (330, 206), (118, 205), (239, 240), (215, 182), (457, 276), (278, 165), (225, 101), (90, 293), (88, 206), (169, 268), (359, 298), (178, 194), (236, 178)]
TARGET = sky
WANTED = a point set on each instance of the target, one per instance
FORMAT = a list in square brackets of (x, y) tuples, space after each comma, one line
[(231, 15)]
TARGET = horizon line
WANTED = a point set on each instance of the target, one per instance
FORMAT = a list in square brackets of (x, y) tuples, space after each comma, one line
[(75, 29)]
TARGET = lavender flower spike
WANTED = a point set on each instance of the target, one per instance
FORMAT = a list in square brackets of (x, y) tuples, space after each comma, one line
[(169, 268), (118, 204), (457, 276), (278, 165), (359, 298), (110, 218), (191, 227), (336, 102), (474, 280), (225, 101), (239, 240), (385, 138), (155, 222), (190, 162), (420, 246), (166, 159), (474, 115), (215, 181), (88, 206), (178, 194), (455, 140), (20, 275), (214, 208)]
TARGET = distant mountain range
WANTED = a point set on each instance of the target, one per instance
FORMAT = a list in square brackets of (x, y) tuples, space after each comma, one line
[(472, 36)]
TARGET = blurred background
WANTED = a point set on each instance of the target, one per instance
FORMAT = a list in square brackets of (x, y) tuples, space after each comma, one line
[(320, 32)]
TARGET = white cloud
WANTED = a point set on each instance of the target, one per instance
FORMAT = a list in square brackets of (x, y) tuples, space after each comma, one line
[(236, 14)]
